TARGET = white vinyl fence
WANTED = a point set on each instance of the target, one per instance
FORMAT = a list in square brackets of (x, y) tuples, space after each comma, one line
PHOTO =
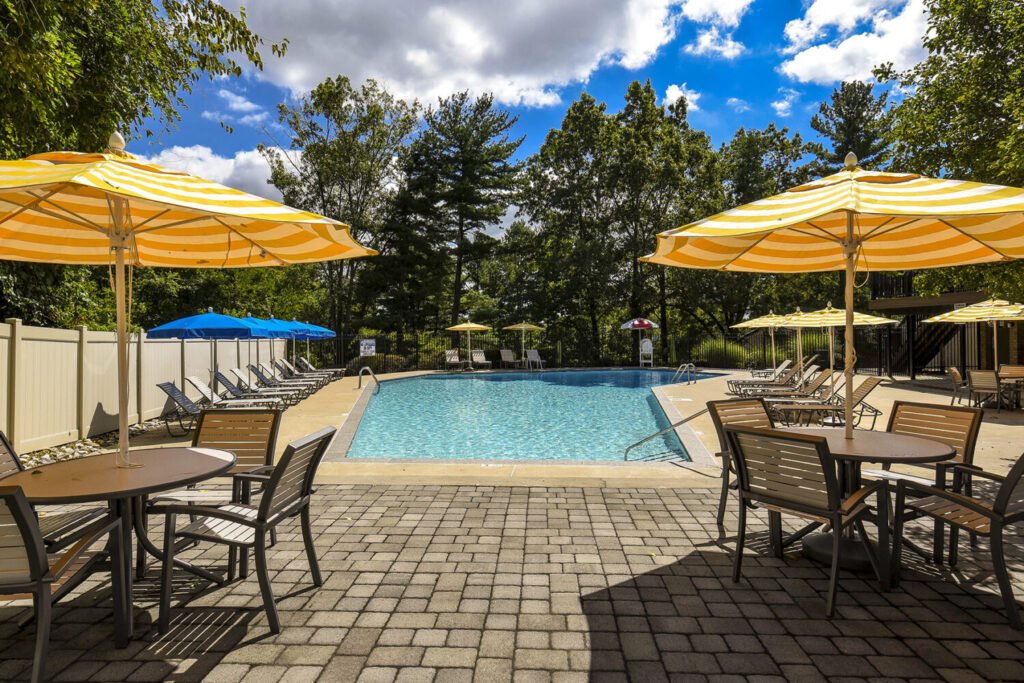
[(57, 386)]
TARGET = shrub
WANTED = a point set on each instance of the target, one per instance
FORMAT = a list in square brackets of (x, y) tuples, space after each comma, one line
[(720, 354), (380, 363)]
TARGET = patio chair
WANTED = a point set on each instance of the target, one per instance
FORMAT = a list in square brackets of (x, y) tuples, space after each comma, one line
[(304, 388), (771, 373), (479, 359), (747, 412), (983, 385), (286, 493), (27, 571), (286, 397), (451, 357), (217, 401), (57, 528), (533, 359), (796, 474), (508, 360), (970, 514), (306, 365), (958, 382), (287, 372), (646, 352)]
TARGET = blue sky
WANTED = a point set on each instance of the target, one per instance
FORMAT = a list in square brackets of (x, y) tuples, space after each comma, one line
[(741, 63)]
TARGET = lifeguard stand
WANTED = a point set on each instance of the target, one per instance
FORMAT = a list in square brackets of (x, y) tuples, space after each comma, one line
[(646, 353)]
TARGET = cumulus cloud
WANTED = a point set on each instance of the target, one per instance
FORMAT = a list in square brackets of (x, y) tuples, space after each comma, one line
[(236, 102), (893, 37), (523, 52), (713, 42), (674, 92), (784, 105), (247, 170), (738, 105)]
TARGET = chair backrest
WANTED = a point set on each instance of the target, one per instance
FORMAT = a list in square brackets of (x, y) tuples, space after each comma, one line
[(478, 356), (291, 368), (306, 364), (179, 397), (260, 376), (646, 346), (865, 388), (789, 375), (22, 555), (286, 372), (790, 470), (816, 383), (227, 384), (10, 463), (1007, 370), (451, 355), (269, 370), (738, 412), (532, 355), (782, 368), (507, 357), (249, 433), (292, 479), (983, 379), (954, 425), (1010, 496), (203, 388), (955, 376)]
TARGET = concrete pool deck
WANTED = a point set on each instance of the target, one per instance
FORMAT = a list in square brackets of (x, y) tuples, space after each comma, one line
[(998, 444)]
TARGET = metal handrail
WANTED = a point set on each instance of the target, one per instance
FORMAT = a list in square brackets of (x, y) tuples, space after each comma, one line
[(367, 368), (687, 371), (625, 456)]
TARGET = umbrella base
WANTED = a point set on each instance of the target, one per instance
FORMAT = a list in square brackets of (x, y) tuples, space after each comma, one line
[(853, 553)]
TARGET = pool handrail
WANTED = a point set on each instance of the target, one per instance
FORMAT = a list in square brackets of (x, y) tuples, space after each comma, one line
[(687, 372), (367, 368), (625, 455)]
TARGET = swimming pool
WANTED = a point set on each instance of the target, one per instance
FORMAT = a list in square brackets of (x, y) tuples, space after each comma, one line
[(553, 415)]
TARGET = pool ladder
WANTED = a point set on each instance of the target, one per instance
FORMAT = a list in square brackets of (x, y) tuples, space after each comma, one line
[(625, 455), (687, 372), (367, 368)]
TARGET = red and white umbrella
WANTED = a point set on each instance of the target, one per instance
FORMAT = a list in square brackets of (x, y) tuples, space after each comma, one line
[(639, 324)]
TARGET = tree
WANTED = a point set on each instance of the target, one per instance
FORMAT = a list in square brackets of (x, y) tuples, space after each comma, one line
[(466, 150), (74, 72), (853, 120)]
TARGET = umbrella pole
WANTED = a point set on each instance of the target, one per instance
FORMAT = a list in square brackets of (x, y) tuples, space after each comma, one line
[(995, 346), (771, 333), (831, 361), (850, 250), (119, 244), (800, 350), (522, 345)]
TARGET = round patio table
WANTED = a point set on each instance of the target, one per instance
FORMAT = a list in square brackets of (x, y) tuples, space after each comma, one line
[(868, 446), (97, 478)]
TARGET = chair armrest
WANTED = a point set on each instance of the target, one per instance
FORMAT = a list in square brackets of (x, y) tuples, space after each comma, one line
[(203, 511), (95, 532), (958, 498), (971, 470), (858, 496), (259, 474)]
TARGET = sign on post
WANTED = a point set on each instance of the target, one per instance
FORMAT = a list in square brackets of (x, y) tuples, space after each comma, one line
[(367, 347)]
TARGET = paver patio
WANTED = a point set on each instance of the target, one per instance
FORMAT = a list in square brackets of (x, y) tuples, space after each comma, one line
[(460, 583)]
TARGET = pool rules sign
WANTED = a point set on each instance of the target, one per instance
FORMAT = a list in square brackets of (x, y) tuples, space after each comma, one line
[(367, 347)]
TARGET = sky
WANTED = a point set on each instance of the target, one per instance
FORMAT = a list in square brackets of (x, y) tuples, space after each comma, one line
[(738, 62)]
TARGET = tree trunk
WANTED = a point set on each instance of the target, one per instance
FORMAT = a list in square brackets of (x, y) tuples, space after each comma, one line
[(457, 284), (595, 338), (663, 303)]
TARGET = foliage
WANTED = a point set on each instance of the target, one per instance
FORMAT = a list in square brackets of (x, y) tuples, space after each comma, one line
[(853, 120), (376, 363)]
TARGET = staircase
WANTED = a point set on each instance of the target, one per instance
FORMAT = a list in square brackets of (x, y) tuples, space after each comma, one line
[(928, 342)]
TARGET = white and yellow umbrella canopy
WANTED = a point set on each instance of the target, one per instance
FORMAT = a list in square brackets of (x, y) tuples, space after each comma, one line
[(988, 311), (113, 209), (770, 321), (524, 327), (855, 220), (833, 317)]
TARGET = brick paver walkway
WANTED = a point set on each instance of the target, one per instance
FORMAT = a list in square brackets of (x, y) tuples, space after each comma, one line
[(428, 583)]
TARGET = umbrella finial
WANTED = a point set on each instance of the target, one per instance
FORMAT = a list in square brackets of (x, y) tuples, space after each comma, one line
[(850, 161), (115, 142)]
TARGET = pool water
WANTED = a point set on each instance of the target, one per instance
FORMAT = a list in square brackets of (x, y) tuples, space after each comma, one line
[(555, 415)]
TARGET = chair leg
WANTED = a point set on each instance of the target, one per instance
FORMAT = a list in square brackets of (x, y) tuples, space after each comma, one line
[(263, 575), (954, 545), (741, 537), (166, 575), (141, 518), (897, 535), (307, 537), (1003, 578), (775, 532), (833, 577), (724, 497), (42, 601)]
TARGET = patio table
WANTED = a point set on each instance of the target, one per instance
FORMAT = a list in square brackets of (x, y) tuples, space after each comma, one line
[(877, 447), (97, 478)]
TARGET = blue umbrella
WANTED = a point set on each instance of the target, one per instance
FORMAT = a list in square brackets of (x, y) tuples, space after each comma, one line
[(321, 332), (209, 325)]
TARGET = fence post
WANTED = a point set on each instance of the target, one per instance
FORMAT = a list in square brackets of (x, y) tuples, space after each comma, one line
[(181, 384), (13, 432), (559, 354), (672, 350), (140, 375), (83, 419)]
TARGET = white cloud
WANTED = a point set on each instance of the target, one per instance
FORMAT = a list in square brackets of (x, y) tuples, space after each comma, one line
[(895, 38), (247, 170), (738, 105), (723, 12), (237, 102), (674, 92), (711, 42), (784, 105)]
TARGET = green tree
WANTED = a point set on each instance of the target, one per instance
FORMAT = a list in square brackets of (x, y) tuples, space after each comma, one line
[(853, 120)]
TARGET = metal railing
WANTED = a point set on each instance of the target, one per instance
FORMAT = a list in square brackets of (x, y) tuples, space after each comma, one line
[(367, 368), (687, 372), (625, 455)]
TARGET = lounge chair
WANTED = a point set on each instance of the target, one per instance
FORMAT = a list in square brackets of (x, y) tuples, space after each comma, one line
[(976, 516), (273, 373), (287, 371), (287, 397), (29, 571), (268, 380), (327, 375), (58, 529), (646, 353), (287, 492), (791, 381), (797, 474), (830, 414), (451, 357), (508, 360), (533, 359), (788, 378), (958, 382), (217, 401), (770, 373), (812, 389), (480, 359), (184, 409), (306, 365)]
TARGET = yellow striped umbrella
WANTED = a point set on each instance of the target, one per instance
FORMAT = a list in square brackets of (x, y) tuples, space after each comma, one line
[(524, 327), (770, 321), (113, 209), (990, 310), (469, 328), (856, 220)]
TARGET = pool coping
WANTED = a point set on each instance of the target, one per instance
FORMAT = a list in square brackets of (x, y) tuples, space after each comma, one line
[(337, 452)]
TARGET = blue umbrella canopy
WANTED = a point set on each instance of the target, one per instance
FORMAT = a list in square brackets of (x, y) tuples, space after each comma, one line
[(272, 327), (209, 325), (320, 332)]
